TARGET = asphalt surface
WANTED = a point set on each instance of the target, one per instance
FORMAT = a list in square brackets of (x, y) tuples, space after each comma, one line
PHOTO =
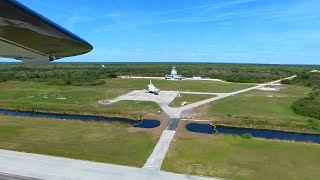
[(173, 124)]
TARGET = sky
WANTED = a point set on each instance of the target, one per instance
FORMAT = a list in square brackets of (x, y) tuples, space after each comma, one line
[(229, 31)]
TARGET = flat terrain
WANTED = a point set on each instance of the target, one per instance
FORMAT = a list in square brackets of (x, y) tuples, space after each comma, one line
[(264, 109), (18, 165), (189, 98), (237, 158), (80, 99), (101, 142)]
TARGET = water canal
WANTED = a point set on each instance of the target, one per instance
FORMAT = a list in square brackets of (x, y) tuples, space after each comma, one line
[(146, 123), (260, 133)]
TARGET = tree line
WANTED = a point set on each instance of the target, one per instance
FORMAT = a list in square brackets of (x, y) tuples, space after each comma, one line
[(308, 106), (55, 75), (93, 74)]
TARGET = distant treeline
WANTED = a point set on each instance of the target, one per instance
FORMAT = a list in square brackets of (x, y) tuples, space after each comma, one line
[(93, 74), (308, 106), (243, 73), (55, 75)]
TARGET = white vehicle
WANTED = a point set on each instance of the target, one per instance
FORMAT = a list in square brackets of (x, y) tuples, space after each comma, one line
[(152, 89), (184, 103)]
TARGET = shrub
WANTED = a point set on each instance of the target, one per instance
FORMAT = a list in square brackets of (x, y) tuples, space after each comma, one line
[(246, 136), (308, 106)]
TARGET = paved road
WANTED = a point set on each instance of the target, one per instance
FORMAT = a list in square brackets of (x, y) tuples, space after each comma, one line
[(166, 97), (224, 95), (54, 168), (173, 124), (47, 167), (155, 160)]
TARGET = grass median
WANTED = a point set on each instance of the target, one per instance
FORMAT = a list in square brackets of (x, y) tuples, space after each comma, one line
[(260, 109), (94, 141), (232, 157)]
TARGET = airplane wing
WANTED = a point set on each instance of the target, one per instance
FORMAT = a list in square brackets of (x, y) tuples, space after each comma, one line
[(26, 35)]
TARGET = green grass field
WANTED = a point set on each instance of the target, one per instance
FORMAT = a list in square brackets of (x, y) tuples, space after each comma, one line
[(189, 98), (237, 158), (264, 109), (101, 142), (83, 100), (39, 96)]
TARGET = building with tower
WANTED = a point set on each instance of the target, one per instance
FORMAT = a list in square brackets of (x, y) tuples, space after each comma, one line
[(174, 75)]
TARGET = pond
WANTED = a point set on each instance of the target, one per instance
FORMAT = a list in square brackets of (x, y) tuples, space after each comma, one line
[(146, 123), (261, 133)]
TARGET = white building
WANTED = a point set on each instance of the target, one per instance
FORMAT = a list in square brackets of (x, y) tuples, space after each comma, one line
[(174, 75)]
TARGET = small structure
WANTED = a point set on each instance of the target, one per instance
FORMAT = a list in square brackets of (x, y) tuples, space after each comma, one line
[(174, 75), (196, 77), (315, 71), (184, 103), (152, 89)]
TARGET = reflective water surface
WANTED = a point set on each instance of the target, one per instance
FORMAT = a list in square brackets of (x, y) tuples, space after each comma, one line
[(261, 133), (146, 123)]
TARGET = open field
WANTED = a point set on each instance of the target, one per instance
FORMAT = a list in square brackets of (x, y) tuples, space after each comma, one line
[(189, 98), (260, 109), (84, 100), (80, 99), (233, 157), (101, 142)]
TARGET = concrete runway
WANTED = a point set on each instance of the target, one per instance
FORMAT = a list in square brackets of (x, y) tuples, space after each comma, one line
[(24, 165)]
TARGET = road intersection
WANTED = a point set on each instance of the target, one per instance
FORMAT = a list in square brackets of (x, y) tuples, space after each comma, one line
[(19, 165), (164, 98)]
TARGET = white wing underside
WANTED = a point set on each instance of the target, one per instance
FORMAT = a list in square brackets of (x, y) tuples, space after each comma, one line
[(18, 52)]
